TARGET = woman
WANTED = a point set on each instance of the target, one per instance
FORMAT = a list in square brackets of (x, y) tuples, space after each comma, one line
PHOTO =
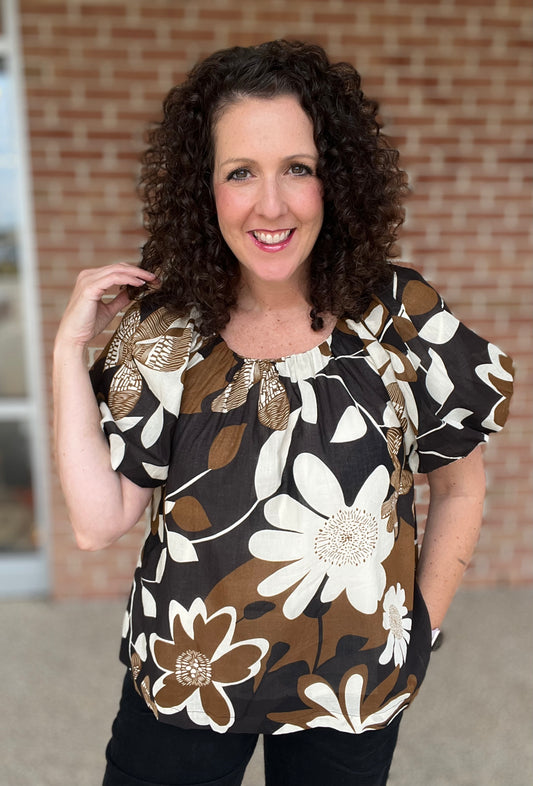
[(271, 391)]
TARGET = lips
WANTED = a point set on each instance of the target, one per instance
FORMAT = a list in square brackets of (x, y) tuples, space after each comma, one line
[(272, 241), (272, 238)]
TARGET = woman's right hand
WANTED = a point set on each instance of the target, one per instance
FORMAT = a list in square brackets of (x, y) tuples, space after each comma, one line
[(102, 503), (86, 314)]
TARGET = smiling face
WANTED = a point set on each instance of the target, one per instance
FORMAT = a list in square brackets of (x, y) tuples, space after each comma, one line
[(268, 197)]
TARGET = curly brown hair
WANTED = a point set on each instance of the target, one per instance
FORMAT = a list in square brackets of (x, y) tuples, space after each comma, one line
[(363, 186)]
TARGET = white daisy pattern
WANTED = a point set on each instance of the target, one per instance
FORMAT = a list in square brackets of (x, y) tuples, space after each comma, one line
[(397, 622), (329, 543)]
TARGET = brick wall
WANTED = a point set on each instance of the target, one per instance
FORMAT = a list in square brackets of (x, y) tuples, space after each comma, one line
[(454, 82)]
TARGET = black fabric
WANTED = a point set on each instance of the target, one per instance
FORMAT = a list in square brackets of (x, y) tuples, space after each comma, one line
[(275, 590), (145, 752)]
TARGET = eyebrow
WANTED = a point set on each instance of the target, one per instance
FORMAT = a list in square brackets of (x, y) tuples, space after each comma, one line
[(245, 160)]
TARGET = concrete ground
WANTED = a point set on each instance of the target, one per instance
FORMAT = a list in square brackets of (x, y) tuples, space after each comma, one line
[(472, 724)]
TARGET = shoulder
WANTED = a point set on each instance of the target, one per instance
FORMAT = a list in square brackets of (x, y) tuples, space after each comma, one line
[(408, 293), (153, 335), (401, 307), (157, 318), (146, 319)]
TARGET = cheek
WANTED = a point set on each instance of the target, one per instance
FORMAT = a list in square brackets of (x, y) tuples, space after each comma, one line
[(229, 206), (314, 203)]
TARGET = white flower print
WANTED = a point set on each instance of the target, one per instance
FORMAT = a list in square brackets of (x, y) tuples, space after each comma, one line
[(347, 712), (395, 620), (329, 543)]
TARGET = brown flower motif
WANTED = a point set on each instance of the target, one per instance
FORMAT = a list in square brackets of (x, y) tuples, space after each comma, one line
[(273, 407), (157, 343), (200, 661), (401, 478)]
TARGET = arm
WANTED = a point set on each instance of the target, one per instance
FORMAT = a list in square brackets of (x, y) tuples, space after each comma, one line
[(457, 491), (102, 503)]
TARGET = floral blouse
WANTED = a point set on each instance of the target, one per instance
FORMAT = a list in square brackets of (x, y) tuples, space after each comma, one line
[(275, 590)]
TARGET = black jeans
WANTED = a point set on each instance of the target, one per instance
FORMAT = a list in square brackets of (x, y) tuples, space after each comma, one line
[(146, 752)]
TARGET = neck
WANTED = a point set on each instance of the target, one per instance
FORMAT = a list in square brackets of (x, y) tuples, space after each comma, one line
[(266, 296)]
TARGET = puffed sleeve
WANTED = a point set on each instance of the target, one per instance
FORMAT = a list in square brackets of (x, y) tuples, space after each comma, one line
[(461, 384), (137, 381)]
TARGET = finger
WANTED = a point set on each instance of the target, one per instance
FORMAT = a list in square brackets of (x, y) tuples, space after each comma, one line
[(97, 280), (118, 303)]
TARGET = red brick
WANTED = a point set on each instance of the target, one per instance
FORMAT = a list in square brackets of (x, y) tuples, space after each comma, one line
[(501, 22), (221, 14), (98, 54), (142, 33), (75, 31), (51, 51), (385, 19), (360, 39), (43, 6), (103, 9), (180, 34), (335, 18), (166, 11), (277, 16), (88, 214)]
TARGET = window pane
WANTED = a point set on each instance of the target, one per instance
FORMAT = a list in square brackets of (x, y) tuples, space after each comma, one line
[(17, 530), (12, 372)]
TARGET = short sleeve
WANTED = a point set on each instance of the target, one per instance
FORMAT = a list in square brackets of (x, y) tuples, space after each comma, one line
[(137, 381), (461, 384)]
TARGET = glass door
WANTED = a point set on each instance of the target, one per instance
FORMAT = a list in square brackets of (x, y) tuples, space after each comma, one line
[(23, 504)]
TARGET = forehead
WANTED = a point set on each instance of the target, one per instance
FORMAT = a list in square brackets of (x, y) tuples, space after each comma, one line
[(263, 125)]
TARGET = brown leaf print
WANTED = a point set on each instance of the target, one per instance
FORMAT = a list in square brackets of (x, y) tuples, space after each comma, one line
[(190, 515), (505, 388), (136, 665), (398, 402), (325, 349), (394, 441), (234, 395), (145, 692), (120, 347), (388, 509), (125, 390), (273, 407), (419, 298), (160, 348), (205, 377), (225, 446), (405, 328), (401, 479), (408, 374), (153, 344)]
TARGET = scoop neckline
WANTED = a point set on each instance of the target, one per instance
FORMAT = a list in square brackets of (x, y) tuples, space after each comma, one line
[(282, 358)]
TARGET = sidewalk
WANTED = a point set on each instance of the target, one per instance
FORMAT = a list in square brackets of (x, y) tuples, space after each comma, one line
[(472, 724)]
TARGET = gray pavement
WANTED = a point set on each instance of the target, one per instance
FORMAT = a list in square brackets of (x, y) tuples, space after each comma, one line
[(471, 725)]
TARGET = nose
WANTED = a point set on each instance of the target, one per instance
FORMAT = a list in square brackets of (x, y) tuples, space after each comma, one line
[(271, 201)]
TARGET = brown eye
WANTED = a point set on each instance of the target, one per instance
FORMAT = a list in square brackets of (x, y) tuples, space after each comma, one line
[(239, 174), (300, 169)]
